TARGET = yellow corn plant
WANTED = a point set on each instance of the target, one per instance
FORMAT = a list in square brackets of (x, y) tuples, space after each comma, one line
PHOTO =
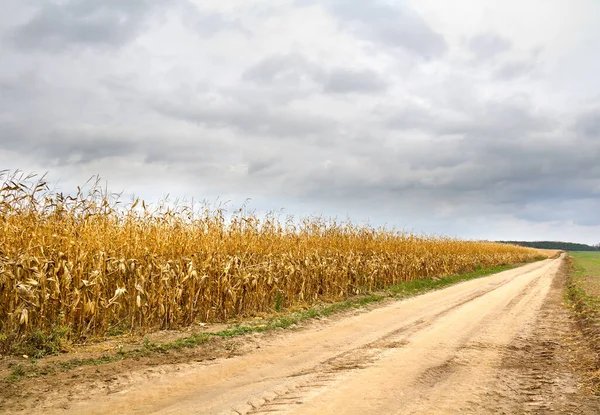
[(89, 262)]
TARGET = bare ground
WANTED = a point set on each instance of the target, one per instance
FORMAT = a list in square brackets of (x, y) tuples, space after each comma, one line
[(500, 344)]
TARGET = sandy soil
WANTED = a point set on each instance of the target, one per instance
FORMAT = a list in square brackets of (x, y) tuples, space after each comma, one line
[(500, 344)]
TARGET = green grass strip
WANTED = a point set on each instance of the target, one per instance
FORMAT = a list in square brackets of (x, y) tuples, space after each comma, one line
[(583, 286)]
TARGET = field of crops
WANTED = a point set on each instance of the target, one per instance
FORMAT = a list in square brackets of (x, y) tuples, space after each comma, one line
[(89, 263)]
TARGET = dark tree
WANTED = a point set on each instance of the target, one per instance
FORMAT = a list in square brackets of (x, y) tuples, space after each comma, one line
[(565, 246)]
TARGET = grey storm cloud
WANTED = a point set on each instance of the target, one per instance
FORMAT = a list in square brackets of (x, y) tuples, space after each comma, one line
[(391, 26), (58, 25), (295, 70), (588, 124), (257, 119), (493, 48), (398, 111), (387, 25), (78, 23), (64, 147), (83, 145), (488, 45), (290, 69), (347, 80), (80, 147), (515, 69), (209, 23), (484, 121)]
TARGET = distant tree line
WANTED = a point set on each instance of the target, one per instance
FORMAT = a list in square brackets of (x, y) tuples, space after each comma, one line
[(565, 246)]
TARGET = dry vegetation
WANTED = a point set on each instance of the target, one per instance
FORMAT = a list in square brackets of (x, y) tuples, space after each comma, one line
[(85, 265)]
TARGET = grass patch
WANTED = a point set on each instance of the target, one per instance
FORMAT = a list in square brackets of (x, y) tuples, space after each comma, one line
[(583, 290), (582, 294), (20, 371), (17, 373), (284, 321), (37, 343)]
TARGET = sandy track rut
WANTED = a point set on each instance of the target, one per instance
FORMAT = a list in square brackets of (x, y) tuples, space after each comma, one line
[(435, 353)]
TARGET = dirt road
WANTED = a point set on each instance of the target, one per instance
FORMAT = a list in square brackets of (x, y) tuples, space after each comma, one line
[(492, 345)]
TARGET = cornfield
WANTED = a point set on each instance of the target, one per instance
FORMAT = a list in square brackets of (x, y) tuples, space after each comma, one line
[(89, 262)]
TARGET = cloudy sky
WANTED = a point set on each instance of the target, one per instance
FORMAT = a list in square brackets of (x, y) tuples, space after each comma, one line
[(469, 118)]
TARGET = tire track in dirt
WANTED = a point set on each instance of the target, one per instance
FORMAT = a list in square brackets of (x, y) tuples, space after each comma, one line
[(545, 365), (464, 377), (364, 357)]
